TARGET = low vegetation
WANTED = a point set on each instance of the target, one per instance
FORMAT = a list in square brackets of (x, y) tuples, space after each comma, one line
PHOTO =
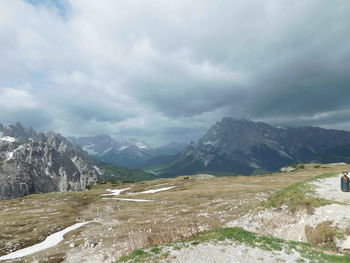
[(194, 205), (241, 236), (323, 235), (298, 195), (29, 220)]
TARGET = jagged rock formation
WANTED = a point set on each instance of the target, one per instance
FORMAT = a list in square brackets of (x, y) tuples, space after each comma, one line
[(32, 162), (243, 146)]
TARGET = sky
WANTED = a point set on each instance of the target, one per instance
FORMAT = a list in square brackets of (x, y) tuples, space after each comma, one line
[(165, 70)]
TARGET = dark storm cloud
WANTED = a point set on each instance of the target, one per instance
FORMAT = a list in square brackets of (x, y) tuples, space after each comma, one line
[(38, 119), (167, 70)]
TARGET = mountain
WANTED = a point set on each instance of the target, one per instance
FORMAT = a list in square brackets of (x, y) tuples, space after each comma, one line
[(32, 162), (337, 154), (244, 147), (130, 153)]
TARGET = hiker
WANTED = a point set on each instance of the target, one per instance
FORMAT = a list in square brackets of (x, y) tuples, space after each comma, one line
[(345, 182)]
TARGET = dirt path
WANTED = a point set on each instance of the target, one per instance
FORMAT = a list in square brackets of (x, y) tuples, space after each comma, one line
[(329, 188), (228, 253), (291, 225)]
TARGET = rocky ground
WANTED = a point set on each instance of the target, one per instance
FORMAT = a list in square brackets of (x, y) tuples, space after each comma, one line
[(228, 252), (176, 209), (329, 188), (288, 224)]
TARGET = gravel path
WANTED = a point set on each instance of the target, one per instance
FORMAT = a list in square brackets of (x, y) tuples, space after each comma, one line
[(231, 253), (329, 188), (285, 224)]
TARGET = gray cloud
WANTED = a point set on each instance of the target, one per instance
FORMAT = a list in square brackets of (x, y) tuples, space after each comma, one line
[(167, 70)]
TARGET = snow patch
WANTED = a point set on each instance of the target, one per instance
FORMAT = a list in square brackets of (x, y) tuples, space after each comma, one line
[(116, 191), (7, 139), (90, 150), (123, 148), (142, 145), (9, 156), (128, 199), (152, 191), (50, 241), (98, 170), (210, 143), (106, 151), (284, 154)]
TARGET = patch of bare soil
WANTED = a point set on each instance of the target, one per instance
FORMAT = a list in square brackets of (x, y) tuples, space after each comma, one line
[(329, 188), (303, 224)]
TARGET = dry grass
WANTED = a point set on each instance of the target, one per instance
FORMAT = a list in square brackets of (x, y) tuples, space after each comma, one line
[(154, 233), (29, 220), (192, 206), (322, 235)]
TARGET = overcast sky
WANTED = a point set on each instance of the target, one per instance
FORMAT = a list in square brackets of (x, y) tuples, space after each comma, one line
[(165, 70)]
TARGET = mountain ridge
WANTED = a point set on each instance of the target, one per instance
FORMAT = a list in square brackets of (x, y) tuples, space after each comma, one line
[(129, 152), (242, 146)]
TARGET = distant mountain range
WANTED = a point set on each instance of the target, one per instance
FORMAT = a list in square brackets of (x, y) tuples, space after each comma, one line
[(130, 153), (247, 147), (32, 162)]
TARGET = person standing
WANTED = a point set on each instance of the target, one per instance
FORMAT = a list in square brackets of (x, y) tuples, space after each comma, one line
[(344, 182)]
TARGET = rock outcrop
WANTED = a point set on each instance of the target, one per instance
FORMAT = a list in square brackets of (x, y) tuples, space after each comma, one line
[(32, 162)]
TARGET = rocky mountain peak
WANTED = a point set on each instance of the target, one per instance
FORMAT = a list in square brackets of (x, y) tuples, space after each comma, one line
[(18, 131), (35, 163), (243, 146)]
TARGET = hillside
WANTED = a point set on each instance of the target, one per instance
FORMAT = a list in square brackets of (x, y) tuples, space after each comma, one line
[(244, 147), (182, 211), (115, 173)]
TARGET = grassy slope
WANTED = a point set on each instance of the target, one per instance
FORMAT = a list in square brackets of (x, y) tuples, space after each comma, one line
[(191, 202), (29, 220), (118, 173), (173, 169), (294, 196), (241, 236), (297, 195)]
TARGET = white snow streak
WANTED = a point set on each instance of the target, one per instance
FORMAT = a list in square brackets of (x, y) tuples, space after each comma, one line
[(50, 241), (97, 169), (8, 139), (152, 191), (121, 148), (128, 199), (116, 191)]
